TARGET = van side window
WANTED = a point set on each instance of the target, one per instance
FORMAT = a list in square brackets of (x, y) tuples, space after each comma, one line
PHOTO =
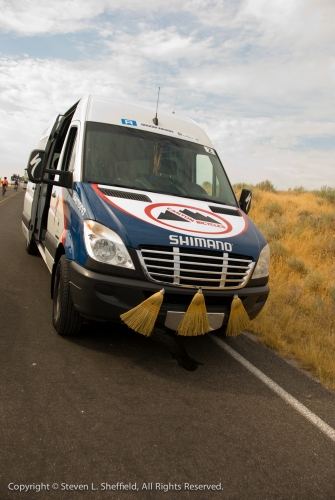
[(204, 173), (70, 152)]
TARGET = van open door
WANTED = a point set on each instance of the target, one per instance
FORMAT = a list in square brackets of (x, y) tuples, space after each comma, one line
[(40, 169)]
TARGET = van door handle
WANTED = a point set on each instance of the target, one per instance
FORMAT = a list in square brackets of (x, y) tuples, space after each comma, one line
[(54, 194)]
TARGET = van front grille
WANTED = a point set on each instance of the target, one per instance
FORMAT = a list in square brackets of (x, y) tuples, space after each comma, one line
[(193, 268)]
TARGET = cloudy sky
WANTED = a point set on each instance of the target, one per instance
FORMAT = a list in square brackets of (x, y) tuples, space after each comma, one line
[(258, 75)]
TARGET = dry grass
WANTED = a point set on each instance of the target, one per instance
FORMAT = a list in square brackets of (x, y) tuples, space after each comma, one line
[(299, 317)]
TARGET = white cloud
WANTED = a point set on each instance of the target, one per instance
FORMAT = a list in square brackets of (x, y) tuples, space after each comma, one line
[(161, 46), (33, 17), (32, 91), (278, 87), (37, 17), (255, 149)]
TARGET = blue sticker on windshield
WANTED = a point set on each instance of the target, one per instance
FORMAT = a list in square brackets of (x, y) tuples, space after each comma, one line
[(133, 123)]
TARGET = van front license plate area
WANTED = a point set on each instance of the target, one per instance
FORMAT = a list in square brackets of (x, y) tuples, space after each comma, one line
[(173, 319)]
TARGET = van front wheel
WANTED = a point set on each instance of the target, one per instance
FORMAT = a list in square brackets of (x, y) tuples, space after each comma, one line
[(65, 319)]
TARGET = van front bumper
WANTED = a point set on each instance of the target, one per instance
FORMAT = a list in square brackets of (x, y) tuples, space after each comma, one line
[(104, 297)]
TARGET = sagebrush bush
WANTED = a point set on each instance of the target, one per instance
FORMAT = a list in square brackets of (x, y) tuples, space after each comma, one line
[(297, 265), (328, 247), (304, 214), (298, 190), (327, 193), (320, 222), (266, 186), (270, 231), (327, 221), (273, 230), (243, 185), (331, 291), (313, 281), (274, 208), (278, 251)]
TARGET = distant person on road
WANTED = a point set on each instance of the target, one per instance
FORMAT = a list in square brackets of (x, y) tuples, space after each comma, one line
[(4, 186), (16, 184)]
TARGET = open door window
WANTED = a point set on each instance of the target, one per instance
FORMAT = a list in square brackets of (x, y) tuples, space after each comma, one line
[(70, 150), (63, 172)]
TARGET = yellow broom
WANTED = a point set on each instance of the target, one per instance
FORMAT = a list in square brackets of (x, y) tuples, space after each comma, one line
[(238, 318), (195, 320), (142, 318)]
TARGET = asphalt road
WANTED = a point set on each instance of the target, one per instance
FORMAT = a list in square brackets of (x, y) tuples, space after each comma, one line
[(112, 406)]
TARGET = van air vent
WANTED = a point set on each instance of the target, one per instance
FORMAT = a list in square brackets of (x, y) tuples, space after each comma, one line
[(225, 211), (125, 194)]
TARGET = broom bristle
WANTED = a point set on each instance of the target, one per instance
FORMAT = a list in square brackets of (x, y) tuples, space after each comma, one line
[(142, 318), (195, 320), (238, 319)]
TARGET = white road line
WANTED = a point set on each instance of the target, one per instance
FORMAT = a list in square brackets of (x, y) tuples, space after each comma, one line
[(320, 424)]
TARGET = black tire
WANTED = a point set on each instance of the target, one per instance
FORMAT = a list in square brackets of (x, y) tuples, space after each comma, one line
[(31, 247), (65, 319)]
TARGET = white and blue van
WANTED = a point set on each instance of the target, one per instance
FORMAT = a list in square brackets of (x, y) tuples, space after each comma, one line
[(121, 204)]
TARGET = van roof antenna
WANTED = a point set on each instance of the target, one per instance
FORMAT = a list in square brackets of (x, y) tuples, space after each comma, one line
[(174, 107), (155, 120)]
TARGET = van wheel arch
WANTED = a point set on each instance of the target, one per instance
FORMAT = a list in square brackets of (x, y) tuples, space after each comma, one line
[(65, 319)]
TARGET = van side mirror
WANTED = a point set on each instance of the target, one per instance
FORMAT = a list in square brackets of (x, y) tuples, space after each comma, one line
[(36, 171), (35, 165), (65, 178), (245, 200)]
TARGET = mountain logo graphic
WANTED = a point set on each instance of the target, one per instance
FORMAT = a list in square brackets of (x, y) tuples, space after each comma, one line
[(188, 219), (185, 216)]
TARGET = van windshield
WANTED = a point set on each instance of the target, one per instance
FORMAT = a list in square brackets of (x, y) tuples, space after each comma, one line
[(146, 161)]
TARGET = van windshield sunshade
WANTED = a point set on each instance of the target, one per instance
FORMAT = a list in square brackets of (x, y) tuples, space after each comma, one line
[(190, 268)]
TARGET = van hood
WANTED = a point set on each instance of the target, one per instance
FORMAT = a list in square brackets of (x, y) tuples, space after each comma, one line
[(144, 218)]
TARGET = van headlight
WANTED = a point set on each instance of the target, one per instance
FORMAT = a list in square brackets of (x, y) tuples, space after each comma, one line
[(262, 268), (104, 245)]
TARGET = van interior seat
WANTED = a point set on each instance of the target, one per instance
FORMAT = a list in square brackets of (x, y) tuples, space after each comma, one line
[(167, 168), (123, 174), (166, 177)]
